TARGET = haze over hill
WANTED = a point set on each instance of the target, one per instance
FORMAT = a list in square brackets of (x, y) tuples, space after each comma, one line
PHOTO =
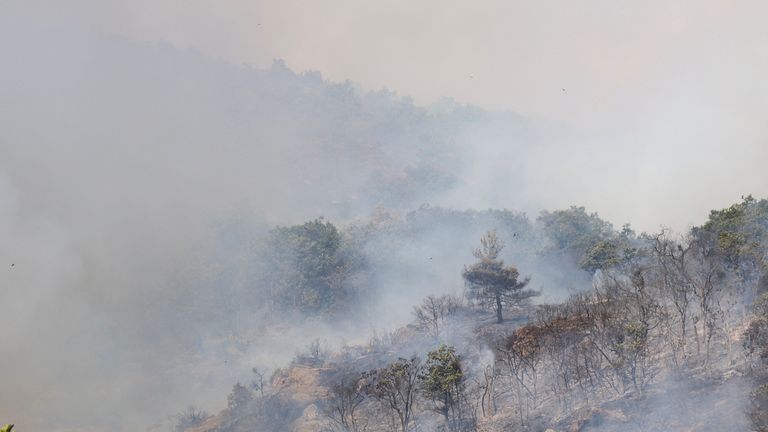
[(143, 168), (655, 90)]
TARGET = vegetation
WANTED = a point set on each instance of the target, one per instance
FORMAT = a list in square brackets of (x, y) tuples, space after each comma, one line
[(239, 399), (435, 314), (443, 382), (573, 231), (191, 417), (395, 387), (491, 283), (346, 395), (309, 268), (658, 306)]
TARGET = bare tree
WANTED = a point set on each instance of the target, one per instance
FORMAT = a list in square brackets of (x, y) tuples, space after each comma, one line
[(434, 313), (345, 396), (520, 356), (706, 275), (259, 382), (632, 314), (488, 391), (671, 259), (395, 386), (191, 417)]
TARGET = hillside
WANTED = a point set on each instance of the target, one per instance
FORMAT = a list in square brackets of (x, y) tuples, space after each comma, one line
[(669, 337), (136, 180), (194, 242)]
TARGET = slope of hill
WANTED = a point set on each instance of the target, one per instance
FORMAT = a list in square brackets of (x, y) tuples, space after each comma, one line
[(671, 337)]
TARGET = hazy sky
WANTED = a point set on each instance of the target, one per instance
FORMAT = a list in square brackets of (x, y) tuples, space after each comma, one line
[(676, 87)]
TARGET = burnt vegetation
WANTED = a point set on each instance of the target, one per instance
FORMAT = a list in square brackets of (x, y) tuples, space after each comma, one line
[(660, 314)]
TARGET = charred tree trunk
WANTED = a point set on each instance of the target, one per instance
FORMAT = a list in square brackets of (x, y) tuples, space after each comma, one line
[(499, 317)]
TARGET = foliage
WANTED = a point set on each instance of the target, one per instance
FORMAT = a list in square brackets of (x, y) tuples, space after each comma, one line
[(309, 267), (239, 399), (573, 230), (739, 235), (442, 381), (442, 372), (656, 302), (491, 283), (602, 255)]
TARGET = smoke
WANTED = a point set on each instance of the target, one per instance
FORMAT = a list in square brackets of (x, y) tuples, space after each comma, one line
[(136, 179), (651, 93), (680, 405), (139, 164)]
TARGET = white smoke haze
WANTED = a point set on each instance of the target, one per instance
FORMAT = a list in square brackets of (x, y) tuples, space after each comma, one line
[(137, 139)]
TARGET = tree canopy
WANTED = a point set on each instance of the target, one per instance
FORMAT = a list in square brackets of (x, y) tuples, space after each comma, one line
[(490, 282), (309, 267)]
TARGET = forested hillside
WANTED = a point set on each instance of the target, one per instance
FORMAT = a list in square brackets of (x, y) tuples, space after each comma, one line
[(664, 331), (200, 245), (152, 177)]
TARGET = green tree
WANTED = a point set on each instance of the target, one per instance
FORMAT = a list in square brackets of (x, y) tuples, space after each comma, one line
[(602, 255), (308, 267), (573, 231), (443, 382), (490, 282), (739, 236), (239, 399)]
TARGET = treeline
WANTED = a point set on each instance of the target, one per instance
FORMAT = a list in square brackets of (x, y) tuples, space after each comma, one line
[(319, 268), (330, 271)]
